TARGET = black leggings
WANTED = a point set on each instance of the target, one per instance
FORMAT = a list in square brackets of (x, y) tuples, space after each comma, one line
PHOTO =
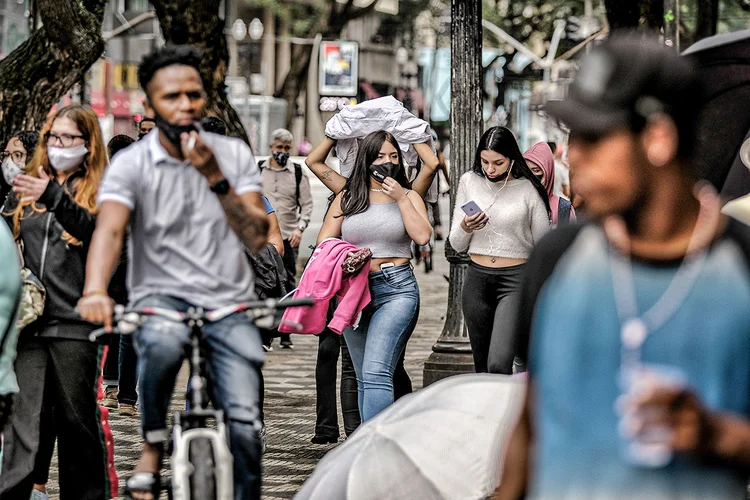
[(490, 303)]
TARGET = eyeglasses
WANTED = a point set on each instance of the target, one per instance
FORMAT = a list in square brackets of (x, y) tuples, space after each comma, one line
[(16, 156), (65, 140)]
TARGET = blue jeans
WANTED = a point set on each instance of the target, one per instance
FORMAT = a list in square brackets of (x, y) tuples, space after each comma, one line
[(234, 360), (377, 343)]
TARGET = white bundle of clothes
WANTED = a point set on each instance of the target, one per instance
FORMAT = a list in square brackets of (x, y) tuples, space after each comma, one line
[(385, 113)]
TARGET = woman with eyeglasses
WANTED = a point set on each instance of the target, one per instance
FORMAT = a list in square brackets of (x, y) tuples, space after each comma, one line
[(13, 159), (52, 210)]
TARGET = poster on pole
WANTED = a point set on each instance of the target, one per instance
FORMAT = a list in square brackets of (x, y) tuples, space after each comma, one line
[(339, 72)]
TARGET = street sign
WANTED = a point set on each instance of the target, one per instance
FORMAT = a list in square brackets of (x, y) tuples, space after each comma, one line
[(338, 69)]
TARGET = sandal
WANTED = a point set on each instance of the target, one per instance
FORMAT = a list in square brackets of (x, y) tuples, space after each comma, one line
[(143, 482)]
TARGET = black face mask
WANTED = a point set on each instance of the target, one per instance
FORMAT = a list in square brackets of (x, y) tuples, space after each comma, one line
[(380, 172), (502, 177), (173, 131), (281, 158)]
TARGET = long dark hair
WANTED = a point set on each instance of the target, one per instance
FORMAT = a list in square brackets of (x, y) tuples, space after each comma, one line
[(356, 197), (501, 140)]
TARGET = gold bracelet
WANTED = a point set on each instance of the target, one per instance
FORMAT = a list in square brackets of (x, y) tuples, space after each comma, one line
[(96, 292)]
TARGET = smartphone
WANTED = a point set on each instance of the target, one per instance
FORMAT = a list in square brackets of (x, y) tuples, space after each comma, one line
[(471, 208)]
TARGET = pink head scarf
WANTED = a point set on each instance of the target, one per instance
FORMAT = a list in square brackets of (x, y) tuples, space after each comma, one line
[(541, 154)]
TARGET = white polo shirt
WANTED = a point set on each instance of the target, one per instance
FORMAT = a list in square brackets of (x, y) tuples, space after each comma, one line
[(181, 244)]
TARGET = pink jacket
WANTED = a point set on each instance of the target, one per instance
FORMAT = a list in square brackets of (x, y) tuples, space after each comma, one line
[(322, 280)]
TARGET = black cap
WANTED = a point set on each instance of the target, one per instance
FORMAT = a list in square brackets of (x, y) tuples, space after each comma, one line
[(623, 82)]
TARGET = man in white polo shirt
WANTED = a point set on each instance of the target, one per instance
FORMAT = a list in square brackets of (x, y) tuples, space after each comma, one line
[(192, 202)]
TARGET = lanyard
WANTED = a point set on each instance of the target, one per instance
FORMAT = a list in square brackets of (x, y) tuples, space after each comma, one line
[(635, 328)]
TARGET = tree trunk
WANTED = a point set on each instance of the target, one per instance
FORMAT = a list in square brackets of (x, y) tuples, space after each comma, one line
[(35, 76), (197, 23), (330, 25), (708, 18)]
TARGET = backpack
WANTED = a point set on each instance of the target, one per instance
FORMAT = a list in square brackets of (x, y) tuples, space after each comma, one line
[(32, 297), (563, 211), (297, 179), (271, 282), (269, 272)]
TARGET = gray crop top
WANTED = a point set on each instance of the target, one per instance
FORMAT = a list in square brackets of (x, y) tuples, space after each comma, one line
[(379, 228)]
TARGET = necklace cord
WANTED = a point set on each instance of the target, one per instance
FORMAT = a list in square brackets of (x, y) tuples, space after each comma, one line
[(678, 289)]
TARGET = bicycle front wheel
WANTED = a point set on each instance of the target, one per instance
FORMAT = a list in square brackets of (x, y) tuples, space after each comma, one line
[(203, 479)]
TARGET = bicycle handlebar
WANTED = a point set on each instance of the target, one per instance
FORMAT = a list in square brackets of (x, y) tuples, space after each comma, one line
[(128, 321)]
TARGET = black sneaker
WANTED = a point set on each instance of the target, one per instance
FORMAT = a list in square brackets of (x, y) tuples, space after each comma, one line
[(324, 440), (286, 344)]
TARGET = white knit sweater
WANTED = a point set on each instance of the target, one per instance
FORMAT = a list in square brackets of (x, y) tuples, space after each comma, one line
[(517, 219)]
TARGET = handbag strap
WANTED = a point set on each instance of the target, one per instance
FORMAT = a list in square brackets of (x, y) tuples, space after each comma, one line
[(19, 246)]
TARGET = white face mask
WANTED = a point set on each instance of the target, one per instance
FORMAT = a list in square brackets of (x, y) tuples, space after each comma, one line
[(11, 170), (64, 159)]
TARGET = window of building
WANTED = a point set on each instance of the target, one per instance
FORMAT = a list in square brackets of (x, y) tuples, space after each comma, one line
[(134, 5)]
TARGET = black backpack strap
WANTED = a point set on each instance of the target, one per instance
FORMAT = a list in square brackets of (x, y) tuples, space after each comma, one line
[(261, 163), (563, 211), (298, 181)]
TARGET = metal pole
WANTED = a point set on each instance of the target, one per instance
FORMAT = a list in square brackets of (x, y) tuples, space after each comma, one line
[(263, 142), (503, 35), (588, 15), (672, 24), (554, 44), (84, 96), (452, 353)]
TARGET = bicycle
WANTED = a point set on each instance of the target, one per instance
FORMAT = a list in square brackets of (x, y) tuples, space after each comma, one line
[(201, 462)]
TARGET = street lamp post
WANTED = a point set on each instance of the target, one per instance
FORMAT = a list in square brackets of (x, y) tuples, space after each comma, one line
[(255, 30), (451, 354)]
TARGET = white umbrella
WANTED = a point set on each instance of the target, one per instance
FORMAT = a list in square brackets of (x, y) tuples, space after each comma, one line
[(444, 442)]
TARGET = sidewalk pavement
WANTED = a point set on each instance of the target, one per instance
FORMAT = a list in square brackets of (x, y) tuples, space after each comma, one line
[(290, 398)]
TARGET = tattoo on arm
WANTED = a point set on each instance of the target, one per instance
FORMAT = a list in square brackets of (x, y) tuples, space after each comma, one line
[(251, 230), (327, 175)]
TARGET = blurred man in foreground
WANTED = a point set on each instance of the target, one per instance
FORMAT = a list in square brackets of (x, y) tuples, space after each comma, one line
[(10, 291), (639, 380)]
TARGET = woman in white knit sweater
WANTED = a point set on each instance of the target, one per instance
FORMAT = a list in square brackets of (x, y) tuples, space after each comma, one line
[(513, 215)]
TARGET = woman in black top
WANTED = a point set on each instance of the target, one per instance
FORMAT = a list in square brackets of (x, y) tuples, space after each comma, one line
[(52, 211)]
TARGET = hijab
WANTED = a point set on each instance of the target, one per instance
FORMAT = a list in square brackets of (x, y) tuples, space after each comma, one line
[(541, 154)]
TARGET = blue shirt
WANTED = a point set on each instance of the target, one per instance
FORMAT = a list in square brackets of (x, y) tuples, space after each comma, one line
[(269, 207), (575, 361)]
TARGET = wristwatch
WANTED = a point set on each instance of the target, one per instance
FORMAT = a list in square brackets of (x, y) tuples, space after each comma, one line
[(302, 226), (221, 187)]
